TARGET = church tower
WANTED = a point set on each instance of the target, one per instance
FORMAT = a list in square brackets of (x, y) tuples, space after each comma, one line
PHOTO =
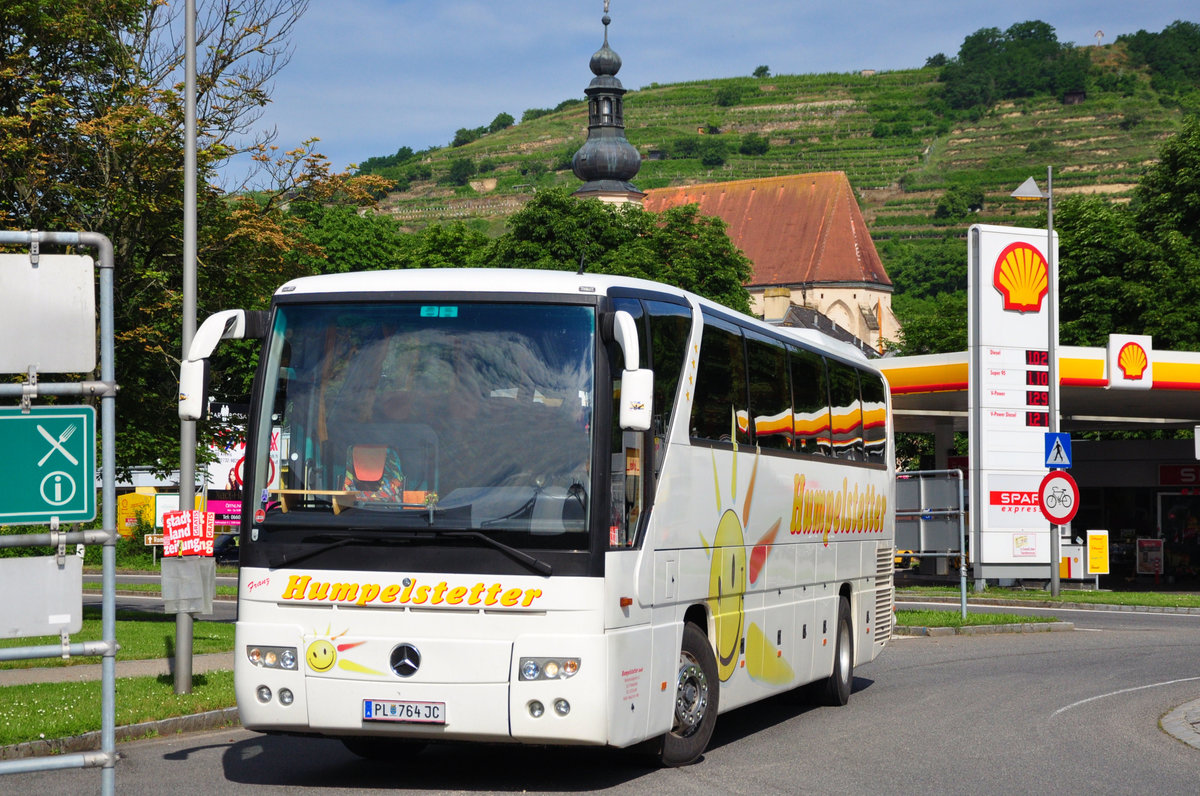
[(607, 161)]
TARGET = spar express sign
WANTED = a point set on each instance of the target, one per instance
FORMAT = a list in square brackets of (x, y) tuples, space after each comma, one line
[(188, 533)]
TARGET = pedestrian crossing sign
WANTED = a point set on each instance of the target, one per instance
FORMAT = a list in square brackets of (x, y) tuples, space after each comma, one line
[(1058, 450)]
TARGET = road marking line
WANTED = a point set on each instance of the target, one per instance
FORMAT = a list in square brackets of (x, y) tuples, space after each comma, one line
[(1122, 691)]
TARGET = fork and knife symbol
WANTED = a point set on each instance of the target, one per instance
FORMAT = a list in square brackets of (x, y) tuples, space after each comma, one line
[(57, 444)]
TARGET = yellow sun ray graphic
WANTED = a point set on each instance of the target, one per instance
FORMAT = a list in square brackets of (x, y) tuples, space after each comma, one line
[(323, 653), (731, 572)]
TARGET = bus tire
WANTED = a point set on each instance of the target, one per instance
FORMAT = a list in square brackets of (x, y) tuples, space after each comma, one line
[(374, 747), (837, 687), (697, 692)]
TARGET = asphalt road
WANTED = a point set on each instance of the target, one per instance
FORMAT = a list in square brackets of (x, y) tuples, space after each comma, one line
[(1065, 713)]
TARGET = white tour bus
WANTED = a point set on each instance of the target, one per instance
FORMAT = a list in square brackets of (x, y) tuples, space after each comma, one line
[(548, 508)]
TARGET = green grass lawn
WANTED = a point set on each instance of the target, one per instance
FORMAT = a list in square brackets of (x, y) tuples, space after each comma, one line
[(61, 710), (141, 635), (1152, 599), (931, 618)]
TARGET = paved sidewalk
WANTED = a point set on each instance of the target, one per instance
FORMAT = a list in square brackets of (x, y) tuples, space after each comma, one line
[(214, 662)]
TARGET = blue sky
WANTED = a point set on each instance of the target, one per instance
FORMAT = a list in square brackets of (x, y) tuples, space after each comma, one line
[(370, 76)]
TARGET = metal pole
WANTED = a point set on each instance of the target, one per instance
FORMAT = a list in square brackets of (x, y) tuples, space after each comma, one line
[(187, 429), (1052, 356)]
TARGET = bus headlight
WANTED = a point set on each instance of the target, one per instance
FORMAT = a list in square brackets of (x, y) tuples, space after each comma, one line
[(272, 657), (548, 668)]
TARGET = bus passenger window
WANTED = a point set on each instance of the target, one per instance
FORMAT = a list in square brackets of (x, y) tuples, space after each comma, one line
[(874, 410), (847, 411), (770, 393), (669, 328), (810, 393), (719, 410)]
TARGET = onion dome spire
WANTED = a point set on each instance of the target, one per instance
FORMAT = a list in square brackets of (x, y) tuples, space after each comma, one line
[(607, 161)]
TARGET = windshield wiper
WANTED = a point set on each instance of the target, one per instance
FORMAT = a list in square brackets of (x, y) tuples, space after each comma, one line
[(345, 540), (536, 564)]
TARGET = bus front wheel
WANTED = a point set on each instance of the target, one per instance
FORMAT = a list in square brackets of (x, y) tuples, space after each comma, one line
[(696, 699)]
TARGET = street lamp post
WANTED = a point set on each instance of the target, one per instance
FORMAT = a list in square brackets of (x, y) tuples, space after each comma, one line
[(1029, 191)]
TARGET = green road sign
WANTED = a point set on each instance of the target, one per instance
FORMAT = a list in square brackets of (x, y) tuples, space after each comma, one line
[(47, 464)]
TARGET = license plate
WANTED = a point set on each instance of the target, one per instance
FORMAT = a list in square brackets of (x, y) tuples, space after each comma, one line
[(393, 710)]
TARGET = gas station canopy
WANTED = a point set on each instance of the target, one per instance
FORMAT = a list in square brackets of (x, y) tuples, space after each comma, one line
[(929, 391)]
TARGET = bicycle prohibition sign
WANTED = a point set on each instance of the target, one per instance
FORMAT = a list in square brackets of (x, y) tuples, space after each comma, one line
[(1058, 497)]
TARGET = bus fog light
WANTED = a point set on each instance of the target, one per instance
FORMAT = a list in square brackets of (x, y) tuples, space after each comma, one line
[(272, 657), (536, 709), (562, 707), (286, 697), (264, 694), (548, 668)]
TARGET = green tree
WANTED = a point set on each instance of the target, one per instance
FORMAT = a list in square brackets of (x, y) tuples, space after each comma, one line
[(933, 325), (754, 144), (679, 247), (91, 138), (729, 94), (762, 71), (713, 151), (502, 122), (461, 170), (958, 202)]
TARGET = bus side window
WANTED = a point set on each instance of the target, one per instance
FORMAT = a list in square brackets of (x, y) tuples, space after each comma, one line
[(874, 409), (669, 328), (628, 454), (810, 394), (770, 393), (719, 408), (847, 411)]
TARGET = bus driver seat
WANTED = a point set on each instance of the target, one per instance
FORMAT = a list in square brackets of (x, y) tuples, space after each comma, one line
[(374, 472)]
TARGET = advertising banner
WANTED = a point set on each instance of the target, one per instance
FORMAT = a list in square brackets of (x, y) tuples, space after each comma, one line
[(188, 533)]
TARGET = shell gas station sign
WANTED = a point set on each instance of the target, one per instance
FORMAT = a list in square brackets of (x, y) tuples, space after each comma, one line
[(1009, 280)]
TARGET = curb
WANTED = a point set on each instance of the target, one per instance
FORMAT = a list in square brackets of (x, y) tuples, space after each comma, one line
[(1184, 723), (985, 630), (210, 720)]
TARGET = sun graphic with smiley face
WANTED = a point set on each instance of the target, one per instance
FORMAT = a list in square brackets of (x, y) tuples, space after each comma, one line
[(323, 652), (731, 573)]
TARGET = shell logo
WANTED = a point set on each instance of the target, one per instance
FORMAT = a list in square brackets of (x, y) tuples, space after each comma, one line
[(1023, 277), (1132, 361)]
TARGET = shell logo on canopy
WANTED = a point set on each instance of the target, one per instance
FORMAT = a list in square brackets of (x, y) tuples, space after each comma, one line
[(1022, 276), (1132, 361)]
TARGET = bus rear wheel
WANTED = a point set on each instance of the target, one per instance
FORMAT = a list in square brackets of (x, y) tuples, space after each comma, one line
[(696, 700), (837, 686)]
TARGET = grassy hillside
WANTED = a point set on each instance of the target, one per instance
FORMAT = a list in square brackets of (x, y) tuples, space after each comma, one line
[(889, 132)]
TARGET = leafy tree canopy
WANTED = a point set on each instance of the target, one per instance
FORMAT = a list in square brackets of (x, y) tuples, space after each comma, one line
[(91, 138), (1022, 61)]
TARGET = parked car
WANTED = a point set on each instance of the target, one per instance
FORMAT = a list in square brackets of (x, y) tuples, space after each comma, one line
[(225, 549)]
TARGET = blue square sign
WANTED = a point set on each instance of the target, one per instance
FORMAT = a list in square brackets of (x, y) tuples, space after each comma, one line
[(1058, 450)]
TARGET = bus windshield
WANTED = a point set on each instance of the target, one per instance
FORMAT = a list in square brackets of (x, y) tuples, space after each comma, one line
[(430, 416)]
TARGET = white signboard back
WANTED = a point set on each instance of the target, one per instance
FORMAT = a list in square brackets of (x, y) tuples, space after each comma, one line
[(51, 308)]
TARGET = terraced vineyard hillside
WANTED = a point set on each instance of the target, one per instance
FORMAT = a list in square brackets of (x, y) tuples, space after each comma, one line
[(889, 132)]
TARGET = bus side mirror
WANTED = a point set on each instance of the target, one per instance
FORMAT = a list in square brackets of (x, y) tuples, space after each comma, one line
[(193, 389), (193, 371), (637, 399), (637, 383)]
